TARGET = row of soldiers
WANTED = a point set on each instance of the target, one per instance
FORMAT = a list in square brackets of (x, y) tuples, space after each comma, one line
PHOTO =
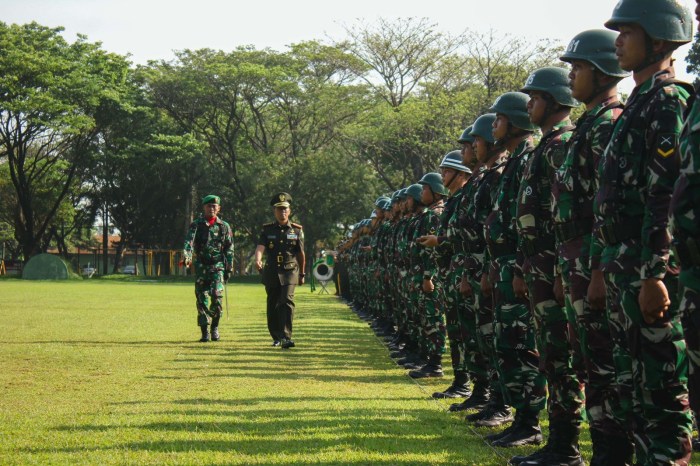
[(547, 268)]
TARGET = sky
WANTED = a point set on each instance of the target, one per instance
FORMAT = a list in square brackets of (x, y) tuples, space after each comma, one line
[(153, 29)]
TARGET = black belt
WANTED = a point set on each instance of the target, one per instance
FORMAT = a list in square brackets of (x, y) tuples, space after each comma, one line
[(507, 248), (623, 229), (687, 251), (573, 229), (530, 247)]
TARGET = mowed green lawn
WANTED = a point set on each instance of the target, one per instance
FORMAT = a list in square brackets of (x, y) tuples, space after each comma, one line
[(100, 372)]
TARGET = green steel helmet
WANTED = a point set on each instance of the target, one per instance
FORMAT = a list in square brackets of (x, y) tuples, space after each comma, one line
[(665, 20), (373, 214), (596, 46), (380, 200), (434, 181), (414, 191), (466, 135), (402, 193), (386, 205), (483, 126), (514, 106), (453, 160), (554, 81)]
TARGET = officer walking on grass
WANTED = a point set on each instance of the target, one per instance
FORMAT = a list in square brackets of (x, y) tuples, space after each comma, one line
[(282, 242), (210, 240)]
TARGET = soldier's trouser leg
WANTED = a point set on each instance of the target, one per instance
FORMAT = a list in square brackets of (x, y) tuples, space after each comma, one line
[(565, 403), (596, 349), (481, 346), (690, 315), (208, 284), (517, 356), (434, 322), (285, 307), (274, 323), (455, 331), (658, 361)]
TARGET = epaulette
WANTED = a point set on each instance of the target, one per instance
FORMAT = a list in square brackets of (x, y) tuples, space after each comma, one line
[(268, 224), (296, 225)]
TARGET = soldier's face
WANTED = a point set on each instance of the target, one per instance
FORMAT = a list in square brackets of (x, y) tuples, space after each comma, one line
[(500, 127), (481, 148), (467, 154), (630, 46), (536, 107), (282, 214), (426, 196), (581, 80), (210, 210)]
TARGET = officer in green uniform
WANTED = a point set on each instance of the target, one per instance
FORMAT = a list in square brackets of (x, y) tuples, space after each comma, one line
[(283, 243), (211, 241)]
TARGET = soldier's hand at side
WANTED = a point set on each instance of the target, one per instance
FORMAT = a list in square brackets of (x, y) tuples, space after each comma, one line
[(559, 290), (188, 262), (596, 291), (653, 299), (428, 285), (301, 280), (429, 241), (465, 288), (520, 288), (486, 288), (259, 265)]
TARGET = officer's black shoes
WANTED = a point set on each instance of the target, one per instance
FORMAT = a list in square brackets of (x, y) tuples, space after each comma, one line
[(522, 434), (286, 344), (205, 333), (276, 343), (428, 370), (453, 391)]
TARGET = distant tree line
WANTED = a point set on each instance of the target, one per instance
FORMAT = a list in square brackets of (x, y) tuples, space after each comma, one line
[(85, 135)]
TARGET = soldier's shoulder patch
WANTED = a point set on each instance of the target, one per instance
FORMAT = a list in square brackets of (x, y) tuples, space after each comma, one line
[(296, 225), (666, 144)]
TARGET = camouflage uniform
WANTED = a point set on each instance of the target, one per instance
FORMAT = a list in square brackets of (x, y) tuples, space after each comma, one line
[(573, 191), (212, 246), (472, 218), (536, 260), (640, 166), (685, 210)]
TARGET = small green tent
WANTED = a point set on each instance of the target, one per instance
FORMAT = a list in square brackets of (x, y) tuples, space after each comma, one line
[(45, 267)]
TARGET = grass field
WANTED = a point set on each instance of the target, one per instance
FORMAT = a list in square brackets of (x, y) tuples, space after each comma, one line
[(99, 372)]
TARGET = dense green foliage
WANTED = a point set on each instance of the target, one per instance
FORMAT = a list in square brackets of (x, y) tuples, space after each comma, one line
[(84, 135)]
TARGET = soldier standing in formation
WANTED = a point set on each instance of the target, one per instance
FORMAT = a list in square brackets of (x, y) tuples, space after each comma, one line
[(282, 241), (209, 241), (568, 284)]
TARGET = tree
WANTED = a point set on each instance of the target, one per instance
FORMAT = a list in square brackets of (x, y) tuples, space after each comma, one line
[(693, 59), (51, 94)]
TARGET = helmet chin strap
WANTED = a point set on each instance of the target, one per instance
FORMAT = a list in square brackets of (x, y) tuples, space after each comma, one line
[(599, 88), (651, 57)]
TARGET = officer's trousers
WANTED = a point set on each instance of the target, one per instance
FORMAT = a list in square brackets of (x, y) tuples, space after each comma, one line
[(280, 310)]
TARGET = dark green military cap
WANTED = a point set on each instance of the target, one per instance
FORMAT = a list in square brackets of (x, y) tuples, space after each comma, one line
[(281, 200), (211, 199)]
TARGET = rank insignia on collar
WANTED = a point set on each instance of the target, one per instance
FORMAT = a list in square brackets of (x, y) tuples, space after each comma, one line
[(666, 144)]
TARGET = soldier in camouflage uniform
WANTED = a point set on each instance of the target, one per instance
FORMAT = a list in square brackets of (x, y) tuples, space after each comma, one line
[(549, 107), (685, 212), (211, 241), (593, 79), (430, 307), (640, 166), (513, 350)]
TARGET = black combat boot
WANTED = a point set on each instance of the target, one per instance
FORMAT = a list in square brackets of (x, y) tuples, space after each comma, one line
[(506, 431), (205, 333), (215, 329), (516, 460), (432, 369), (495, 414), (563, 450), (458, 389), (526, 432), (478, 399), (611, 450)]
